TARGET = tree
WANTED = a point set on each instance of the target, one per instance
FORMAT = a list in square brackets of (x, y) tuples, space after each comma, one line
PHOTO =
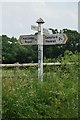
[(9, 48), (13, 52)]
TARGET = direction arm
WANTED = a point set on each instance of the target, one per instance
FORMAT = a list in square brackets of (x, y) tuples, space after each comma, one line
[(65, 38)]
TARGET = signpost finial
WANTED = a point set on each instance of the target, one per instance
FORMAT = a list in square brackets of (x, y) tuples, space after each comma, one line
[(40, 20)]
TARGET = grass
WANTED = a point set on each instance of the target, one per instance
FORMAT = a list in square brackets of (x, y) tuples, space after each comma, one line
[(24, 96)]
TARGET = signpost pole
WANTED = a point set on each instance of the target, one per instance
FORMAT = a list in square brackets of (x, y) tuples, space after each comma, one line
[(40, 49)]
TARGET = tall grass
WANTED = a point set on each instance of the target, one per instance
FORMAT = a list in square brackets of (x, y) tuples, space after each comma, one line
[(24, 96)]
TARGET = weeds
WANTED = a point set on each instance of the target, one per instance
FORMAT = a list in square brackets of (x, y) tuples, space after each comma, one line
[(24, 96)]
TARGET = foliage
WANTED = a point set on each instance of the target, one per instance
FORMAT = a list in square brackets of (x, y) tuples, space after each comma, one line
[(13, 52), (9, 49), (24, 96)]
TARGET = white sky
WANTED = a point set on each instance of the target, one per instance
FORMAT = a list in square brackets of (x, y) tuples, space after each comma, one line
[(17, 17), (39, 0)]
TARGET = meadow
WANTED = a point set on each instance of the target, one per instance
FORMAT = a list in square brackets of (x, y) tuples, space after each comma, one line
[(24, 96)]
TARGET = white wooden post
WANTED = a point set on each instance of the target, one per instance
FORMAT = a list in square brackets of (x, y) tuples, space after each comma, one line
[(40, 49)]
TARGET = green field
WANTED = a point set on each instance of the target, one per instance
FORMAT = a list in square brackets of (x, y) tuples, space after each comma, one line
[(24, 96)]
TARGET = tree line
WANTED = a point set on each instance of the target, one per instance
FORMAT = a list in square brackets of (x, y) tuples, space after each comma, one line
[(13, 52)]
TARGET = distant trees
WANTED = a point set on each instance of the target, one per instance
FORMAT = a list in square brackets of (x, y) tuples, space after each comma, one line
[(9, 49), (73, 40), (13, 52), (71, 45)]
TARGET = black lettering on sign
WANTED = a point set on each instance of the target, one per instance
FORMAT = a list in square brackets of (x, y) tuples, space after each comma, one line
[(50, 41), (28, 37), (50, 37), (60, 38), (31, 38), (28, 41)]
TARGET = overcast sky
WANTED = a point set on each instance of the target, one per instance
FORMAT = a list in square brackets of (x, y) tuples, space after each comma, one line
[(18, 17)]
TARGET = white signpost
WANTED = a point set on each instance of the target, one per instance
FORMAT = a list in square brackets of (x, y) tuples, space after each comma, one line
[(43, 38), (59, 38), (34, 27), (28, 40), (40, 49), (45, 31)]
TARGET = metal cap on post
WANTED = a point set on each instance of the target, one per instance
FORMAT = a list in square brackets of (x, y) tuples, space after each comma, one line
[(40, 21)]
